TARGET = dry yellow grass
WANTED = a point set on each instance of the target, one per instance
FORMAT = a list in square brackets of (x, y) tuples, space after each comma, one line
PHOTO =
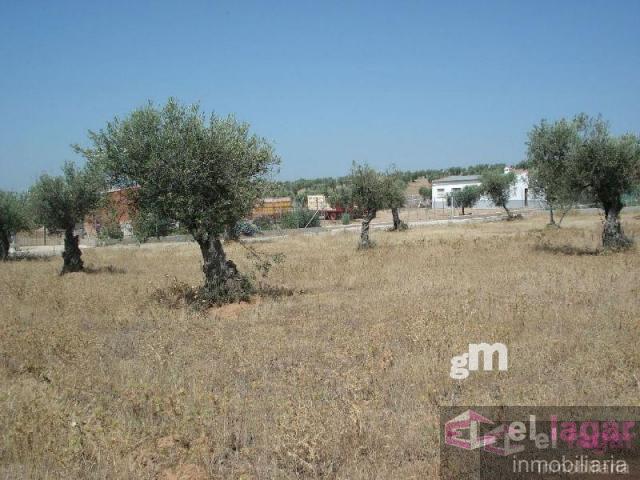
[(343, 379)]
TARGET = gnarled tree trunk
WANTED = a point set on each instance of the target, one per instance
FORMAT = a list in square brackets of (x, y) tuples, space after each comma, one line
[(222, 281), (612, 235), (5, 243), (71, 255), (397, 223), (364, 233), (552, 220)]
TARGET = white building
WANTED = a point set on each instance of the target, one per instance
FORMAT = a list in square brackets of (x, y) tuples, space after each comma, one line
[(317, 202), (520, 196)]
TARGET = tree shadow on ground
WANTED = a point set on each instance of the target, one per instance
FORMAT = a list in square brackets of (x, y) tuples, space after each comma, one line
[(273, 291), (567, 249), (109, 269), (29, 257)]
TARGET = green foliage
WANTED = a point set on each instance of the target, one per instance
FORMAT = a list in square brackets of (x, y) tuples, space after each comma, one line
[(110, 230), (147, 225), (15, 215), (425, 193), (264, 222), (61, 202), (245, 228), (300, 218), (299, 189), (606, 166), (632, 197), (368, 188), (497, 186), (393, 189), (340, 196), (345, 219), (550, 151), (204, 172), (467, 197)]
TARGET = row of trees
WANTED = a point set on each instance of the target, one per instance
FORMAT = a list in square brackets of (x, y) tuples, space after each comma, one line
[(299, 189), (206, 172), (578, 160), (495, 185), (57, 203), (372, 191)]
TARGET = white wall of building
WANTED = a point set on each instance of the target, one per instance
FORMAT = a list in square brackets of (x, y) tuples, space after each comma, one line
[(521, 195), (441, 191)]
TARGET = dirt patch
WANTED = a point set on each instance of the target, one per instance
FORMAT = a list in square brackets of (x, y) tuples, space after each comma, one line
[(187, 471), (232, 311)]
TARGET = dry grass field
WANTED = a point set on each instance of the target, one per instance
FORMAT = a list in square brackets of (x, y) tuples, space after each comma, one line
[(341, 379)]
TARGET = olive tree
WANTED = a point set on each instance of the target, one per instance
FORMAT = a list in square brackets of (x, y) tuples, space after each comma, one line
[(369, 195), (14, 216), (425, 193), (393, 187), (340, 196), (467, 197), (61, 202), (549, 150), (205, 172), (497, 186), (608, 167)]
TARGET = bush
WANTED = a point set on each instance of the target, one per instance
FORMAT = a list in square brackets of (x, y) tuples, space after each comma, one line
[(300, 218), (111, 230), (264, 222), (346, 219), (245, 228), (146, 225)]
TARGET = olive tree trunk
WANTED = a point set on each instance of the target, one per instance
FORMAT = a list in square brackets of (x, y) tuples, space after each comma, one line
[(222, 281), (365, 242), (5, 243), (552, 220), (613, 236), (71, 255), (398, 224)]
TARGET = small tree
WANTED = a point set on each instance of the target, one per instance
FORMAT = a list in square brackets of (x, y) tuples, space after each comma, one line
[(147, 225), (608, 167), (497, 186), (62, 202), (425, 193), (340, 196), (369, 196), (14, 216), (467, 197), (549, 152), (205, 173), (394, 188)]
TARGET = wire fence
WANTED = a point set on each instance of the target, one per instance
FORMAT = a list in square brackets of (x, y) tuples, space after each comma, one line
[(38, 238)]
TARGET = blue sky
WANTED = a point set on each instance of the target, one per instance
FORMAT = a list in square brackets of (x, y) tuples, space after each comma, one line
[(412, 83)]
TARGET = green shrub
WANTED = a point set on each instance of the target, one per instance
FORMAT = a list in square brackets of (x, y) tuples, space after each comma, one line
[(111, 230), (146, 225), (300, 218), (245, 228), (264, 222)]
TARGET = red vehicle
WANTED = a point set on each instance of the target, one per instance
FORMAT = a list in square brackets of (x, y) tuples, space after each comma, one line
[(333, 213)]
